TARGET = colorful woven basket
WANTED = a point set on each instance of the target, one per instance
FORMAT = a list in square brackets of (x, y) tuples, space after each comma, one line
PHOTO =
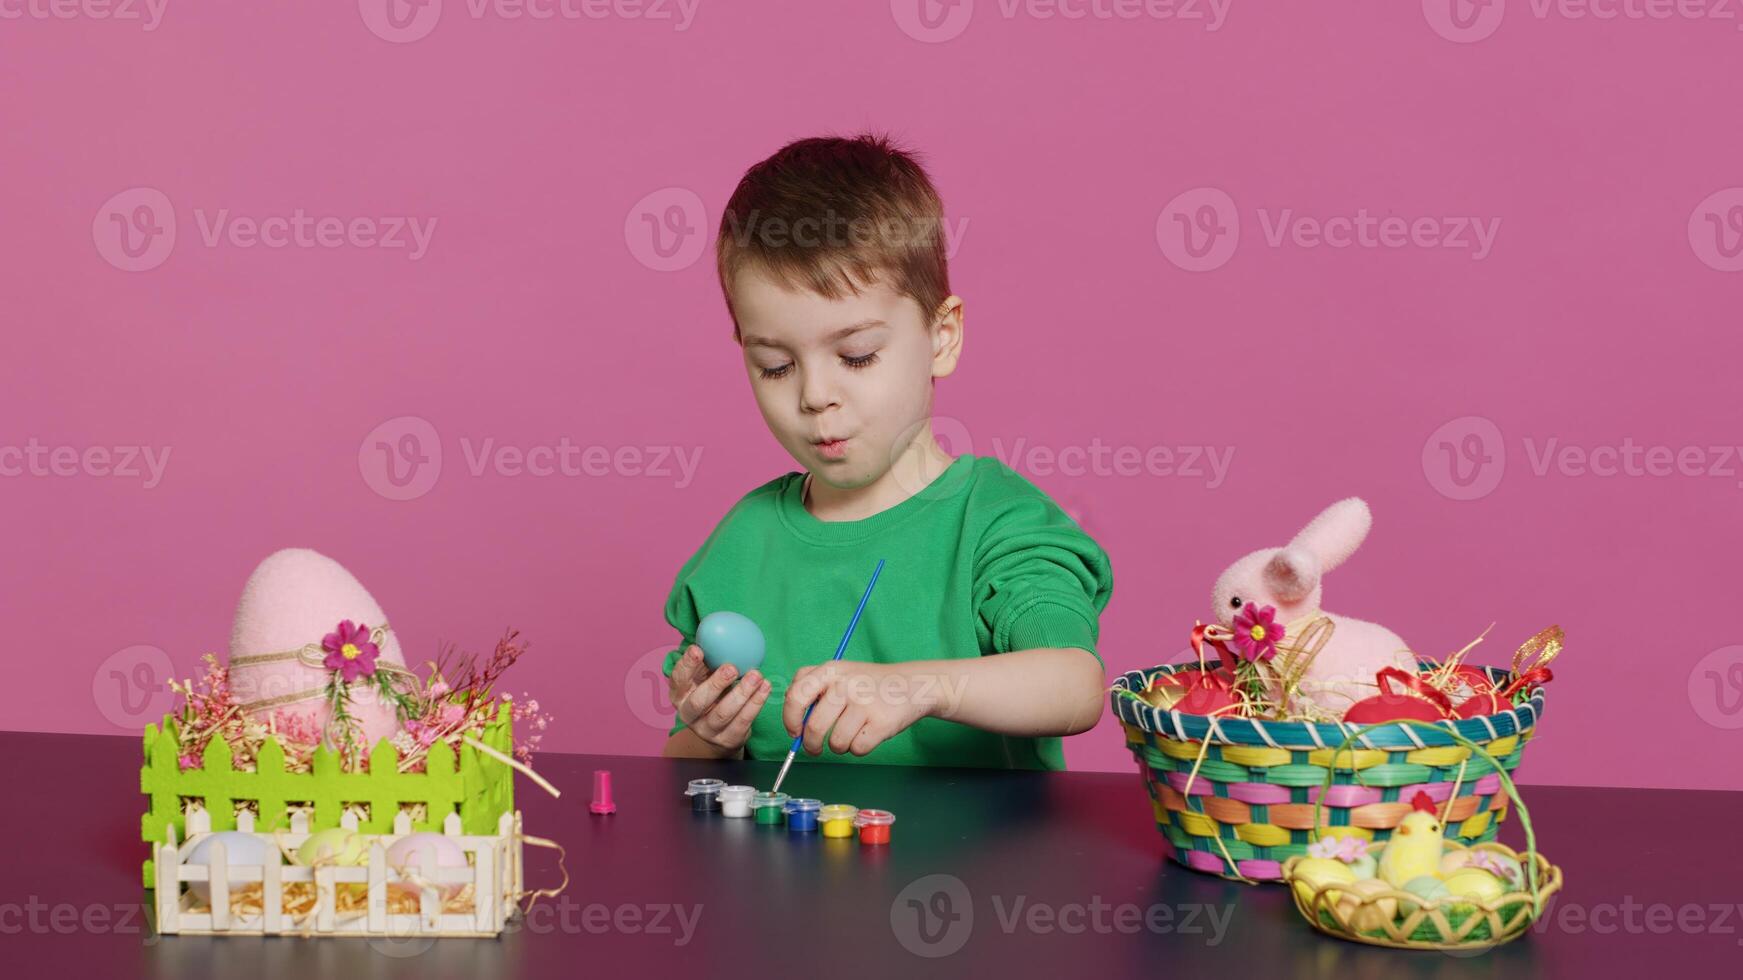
[(1236, 796)]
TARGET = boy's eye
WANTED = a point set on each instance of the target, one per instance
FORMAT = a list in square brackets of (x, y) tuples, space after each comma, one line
[(857, 363)]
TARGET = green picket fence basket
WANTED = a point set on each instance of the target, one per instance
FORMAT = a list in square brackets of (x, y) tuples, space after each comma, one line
[(470, 783)]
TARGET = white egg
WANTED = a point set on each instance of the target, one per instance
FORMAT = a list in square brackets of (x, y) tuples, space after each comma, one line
[(240, 850)]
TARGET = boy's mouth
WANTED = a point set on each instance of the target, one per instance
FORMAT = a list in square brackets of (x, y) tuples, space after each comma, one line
[(830, 448)]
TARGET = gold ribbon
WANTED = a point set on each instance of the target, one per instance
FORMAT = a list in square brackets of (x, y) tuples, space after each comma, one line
[(310, 655)]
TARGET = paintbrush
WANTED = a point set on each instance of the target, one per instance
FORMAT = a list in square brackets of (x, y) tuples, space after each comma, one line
[(799, 739)]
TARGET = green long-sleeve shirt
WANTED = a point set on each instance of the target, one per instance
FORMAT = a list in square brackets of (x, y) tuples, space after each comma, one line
[(979, 562)]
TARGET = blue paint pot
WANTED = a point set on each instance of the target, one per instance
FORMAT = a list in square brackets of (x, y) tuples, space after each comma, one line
[(802, 815)]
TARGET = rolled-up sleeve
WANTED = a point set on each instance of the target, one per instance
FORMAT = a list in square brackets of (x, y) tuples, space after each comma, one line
[(1039, 580)]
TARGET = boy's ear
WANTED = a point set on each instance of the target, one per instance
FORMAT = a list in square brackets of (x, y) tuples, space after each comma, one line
[(947, 337)]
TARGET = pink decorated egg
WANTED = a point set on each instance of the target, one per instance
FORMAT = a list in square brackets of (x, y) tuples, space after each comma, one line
[(409, 854), (296, 598)]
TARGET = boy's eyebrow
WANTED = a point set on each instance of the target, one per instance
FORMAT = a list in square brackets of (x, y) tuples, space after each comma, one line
[(754, 341)]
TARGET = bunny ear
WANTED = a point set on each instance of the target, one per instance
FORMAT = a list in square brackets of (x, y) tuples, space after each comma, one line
[(1336, 533), (1291, 574)]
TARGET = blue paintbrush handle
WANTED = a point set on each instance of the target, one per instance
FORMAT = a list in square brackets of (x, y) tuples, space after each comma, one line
[(851, 624)]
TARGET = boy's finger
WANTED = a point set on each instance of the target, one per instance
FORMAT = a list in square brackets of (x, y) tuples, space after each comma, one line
[(822, 718), (800, 694), (867, 739), (737, 732), (689, 669), (703, 695), (726, 709), (846, 729)]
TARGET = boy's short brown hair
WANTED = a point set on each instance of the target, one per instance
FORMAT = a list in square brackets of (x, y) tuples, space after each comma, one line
[(833, 214)]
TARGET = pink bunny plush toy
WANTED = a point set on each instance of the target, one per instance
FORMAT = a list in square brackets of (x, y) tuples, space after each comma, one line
[(1288, 579)]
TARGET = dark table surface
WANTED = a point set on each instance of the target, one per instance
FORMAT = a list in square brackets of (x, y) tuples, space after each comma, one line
[(991, 872)]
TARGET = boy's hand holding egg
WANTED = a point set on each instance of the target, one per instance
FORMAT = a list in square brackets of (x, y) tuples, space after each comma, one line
[(702, 690), (859, 705)]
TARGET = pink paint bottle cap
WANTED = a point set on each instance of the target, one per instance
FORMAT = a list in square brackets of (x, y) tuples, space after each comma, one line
[(602, 792)]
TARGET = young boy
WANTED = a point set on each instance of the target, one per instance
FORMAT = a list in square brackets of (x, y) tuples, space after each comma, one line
[(977, 647)]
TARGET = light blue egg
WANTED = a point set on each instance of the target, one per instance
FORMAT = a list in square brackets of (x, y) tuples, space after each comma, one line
[(1426, 887), (240, 850), (730, 638)]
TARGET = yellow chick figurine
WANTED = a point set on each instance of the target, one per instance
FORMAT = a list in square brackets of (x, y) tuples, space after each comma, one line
[(1414, 848)]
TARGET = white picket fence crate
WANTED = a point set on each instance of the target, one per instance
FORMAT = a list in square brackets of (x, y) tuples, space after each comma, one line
[(495, 875)]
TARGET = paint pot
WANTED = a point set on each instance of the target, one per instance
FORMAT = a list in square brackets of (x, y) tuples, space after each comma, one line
[(771, 808), (735, 801), (802, 815), (704, 794), (874, 826), (837, 819)]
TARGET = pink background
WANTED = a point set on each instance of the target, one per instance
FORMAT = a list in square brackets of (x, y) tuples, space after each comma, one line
[(537, 315)]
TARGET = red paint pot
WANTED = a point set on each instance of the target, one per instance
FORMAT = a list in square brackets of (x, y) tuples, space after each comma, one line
[(874, 826)]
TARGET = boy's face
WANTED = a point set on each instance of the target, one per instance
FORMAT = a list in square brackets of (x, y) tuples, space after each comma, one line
[(843, 383)]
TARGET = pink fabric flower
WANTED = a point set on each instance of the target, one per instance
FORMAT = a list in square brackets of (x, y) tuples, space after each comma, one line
[(350, 652), (1492, 863), (1257, 632), (1342, 848)]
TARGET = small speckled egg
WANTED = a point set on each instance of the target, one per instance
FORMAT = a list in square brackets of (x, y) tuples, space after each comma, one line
[(1452, 861), (1474, 883), (730, 638), (335, 845), (408, 853), (240, 850)]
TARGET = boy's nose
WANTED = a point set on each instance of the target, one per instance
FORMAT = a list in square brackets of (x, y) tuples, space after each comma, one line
[(817, 394)]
